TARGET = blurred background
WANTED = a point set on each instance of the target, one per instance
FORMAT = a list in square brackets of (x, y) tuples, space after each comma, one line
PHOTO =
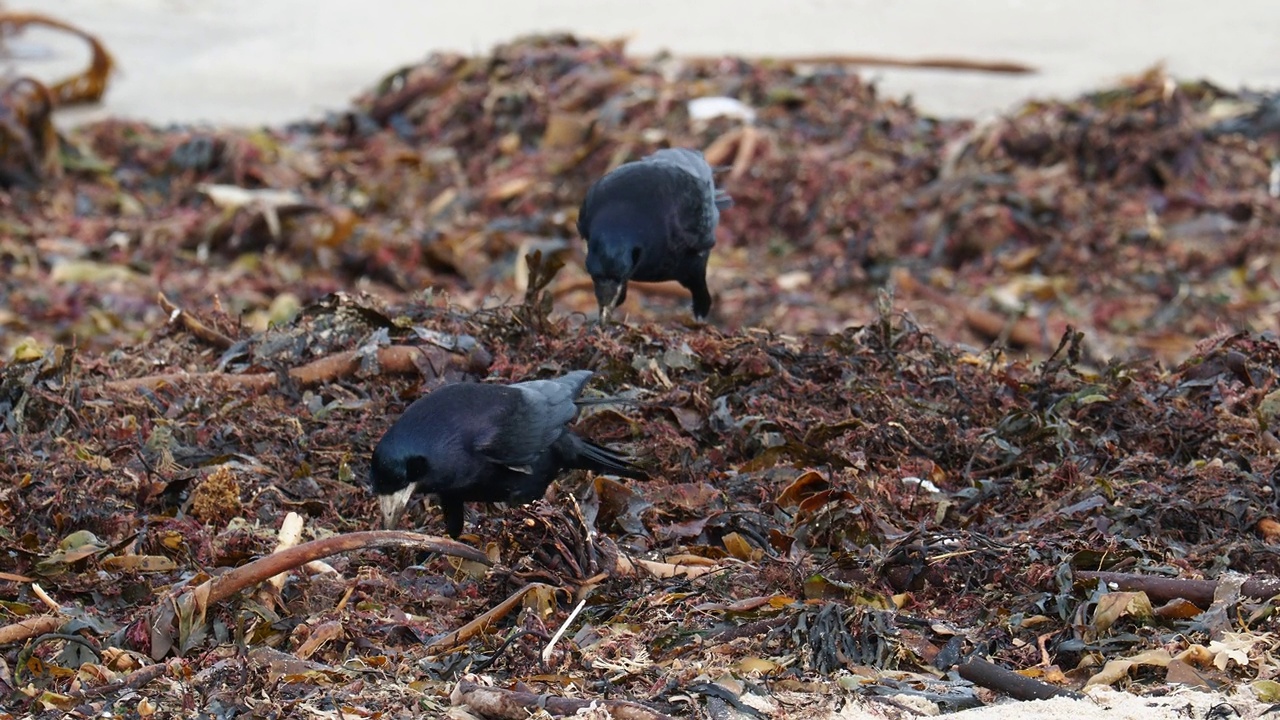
[(1116, 134), (254, 62)]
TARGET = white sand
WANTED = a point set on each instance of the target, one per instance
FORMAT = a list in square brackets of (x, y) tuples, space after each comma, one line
[(1108, 704), (270, 61)]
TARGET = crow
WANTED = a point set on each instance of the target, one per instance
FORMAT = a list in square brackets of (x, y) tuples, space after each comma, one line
[(652, 220), (480, 442)]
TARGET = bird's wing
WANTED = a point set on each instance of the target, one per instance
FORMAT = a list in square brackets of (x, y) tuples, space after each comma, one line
[(694, 163), (694, 214), (690, 161), (698, 203), (677, 189), (534, 420)]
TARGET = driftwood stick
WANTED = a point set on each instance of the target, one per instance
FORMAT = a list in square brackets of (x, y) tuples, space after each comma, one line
[(184, 610), (747, 629), (232, 582), (494, 702), (132, 681), (1162, 589), (1021, 332), (1003, 67), (27, 628), (478, 625), (193, 324), (1020, 687), (395, 360)]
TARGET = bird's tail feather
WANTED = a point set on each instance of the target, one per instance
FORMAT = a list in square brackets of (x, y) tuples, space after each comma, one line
[(612, 400), (602, 460)]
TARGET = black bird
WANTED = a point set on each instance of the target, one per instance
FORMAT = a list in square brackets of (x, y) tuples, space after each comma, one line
[(478, 442), (652, 220)]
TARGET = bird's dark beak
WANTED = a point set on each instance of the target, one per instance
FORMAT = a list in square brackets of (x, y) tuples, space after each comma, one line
[(608, 295), (393, 505)]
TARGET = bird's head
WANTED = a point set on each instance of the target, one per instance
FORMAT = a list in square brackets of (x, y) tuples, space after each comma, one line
[(394, 476), (611, 265)]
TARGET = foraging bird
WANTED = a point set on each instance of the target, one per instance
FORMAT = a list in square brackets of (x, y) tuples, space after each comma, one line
[(477, 442), (652, 220)]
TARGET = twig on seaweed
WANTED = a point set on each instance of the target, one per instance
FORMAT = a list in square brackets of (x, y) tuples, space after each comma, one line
[(44, 597), (1005, 67), (629, 566), (133, 680), (1018, 332), (551, 646), (228, 584), (724, 694), (22, 665), (394, 360), (27, 628), (741, 145), (480, 624), (993, 677), (515, 635), (194, 325), (1197, 592), (928, 452), (494, 702), (288, 536), (747, 630), (320, 634), (185, 610)]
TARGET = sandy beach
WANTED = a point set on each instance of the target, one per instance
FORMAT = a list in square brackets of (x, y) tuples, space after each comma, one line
[(245, 62)]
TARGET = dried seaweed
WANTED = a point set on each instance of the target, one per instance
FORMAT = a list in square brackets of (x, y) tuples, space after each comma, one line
[(876, 496)]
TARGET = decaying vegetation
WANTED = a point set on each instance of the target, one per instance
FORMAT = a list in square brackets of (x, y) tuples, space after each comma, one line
[(977, 399)]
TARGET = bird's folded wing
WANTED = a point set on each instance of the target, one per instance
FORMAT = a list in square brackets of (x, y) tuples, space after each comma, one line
[(696, 216), (532, 420), (690, 161), (695, 165)]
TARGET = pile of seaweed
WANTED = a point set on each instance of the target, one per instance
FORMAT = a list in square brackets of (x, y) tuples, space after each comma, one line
[(850, 500), (1144, 214)]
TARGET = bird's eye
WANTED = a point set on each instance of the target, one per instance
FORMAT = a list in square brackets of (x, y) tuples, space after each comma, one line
[(416, 467)]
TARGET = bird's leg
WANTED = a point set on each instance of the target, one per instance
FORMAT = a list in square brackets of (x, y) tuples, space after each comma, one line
[(454, 513), (697, 284)]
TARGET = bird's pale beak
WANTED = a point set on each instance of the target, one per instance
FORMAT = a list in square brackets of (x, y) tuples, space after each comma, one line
[(609, 296), (393, 505)]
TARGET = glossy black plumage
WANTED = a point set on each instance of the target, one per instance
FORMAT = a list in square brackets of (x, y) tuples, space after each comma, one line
[(652, 220), (480, 442)]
